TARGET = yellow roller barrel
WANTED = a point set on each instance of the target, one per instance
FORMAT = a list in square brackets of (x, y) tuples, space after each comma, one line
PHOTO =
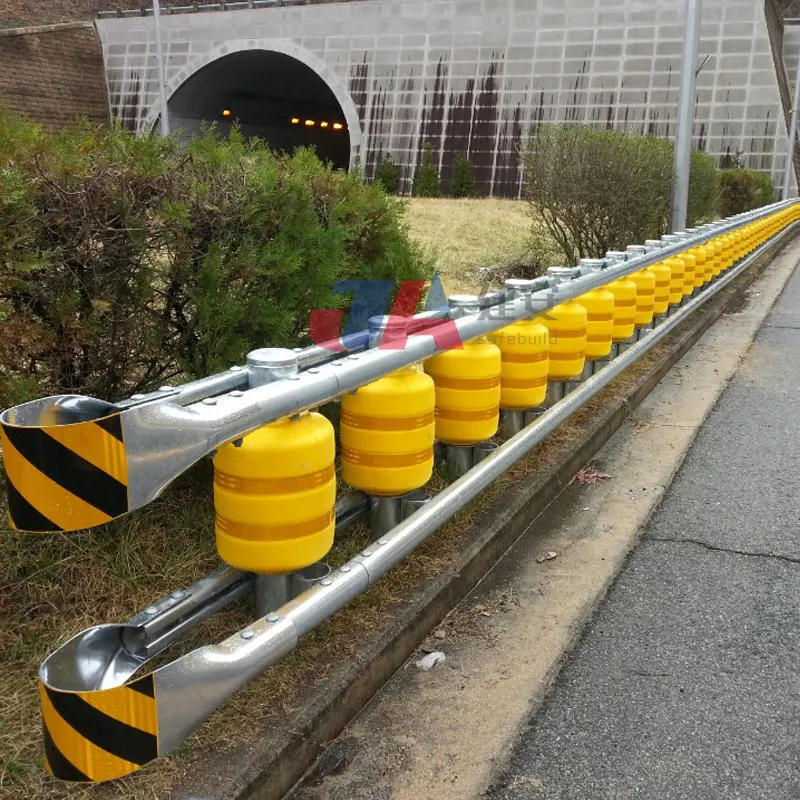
[(467, 386), (275, 495), (387, 433), (599, 305)]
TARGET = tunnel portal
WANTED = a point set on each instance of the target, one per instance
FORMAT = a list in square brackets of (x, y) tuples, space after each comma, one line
[(270, 95)]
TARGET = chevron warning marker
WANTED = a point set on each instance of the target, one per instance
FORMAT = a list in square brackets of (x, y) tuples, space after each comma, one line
[(65, 477), (98, 736)]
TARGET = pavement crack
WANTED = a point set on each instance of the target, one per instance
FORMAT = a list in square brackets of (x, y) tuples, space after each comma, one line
[(715, 549)]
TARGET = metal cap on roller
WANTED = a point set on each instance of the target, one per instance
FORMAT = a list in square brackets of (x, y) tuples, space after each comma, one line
[(462, 305), (614, 257), (636, 250), (269, 364), (591, 266), (519, 286), (559, 275)]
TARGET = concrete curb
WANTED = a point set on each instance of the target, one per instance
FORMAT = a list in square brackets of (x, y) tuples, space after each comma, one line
[(268, 769)]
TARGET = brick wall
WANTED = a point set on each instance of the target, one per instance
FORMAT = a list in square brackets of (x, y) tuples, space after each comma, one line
[(54, 74)]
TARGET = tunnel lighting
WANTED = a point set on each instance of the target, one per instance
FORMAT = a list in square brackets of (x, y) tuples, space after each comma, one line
[(337, 126), (323, 124), (295, 120), (310, 123), (226, 112)]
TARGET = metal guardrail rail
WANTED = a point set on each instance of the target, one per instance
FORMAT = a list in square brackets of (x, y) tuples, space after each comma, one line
[(102, 720)]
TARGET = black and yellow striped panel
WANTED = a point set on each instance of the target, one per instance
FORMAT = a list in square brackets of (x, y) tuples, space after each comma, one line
[(65, 477), (98, 736)]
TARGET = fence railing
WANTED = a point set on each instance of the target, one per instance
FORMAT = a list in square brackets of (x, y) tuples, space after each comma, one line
[(103, 460)]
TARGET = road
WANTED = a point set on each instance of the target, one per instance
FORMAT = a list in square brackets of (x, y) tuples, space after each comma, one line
[(687, 683), (656, 655)]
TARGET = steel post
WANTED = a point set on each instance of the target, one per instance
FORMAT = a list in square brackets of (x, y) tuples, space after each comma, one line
[(511, 422), (683, 129), (162, 73)]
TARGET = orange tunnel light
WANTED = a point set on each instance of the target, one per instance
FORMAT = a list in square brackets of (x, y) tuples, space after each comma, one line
[(295, 120), (310, 123)]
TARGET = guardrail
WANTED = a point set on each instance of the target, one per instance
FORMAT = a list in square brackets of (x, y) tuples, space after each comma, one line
[(85, 461)]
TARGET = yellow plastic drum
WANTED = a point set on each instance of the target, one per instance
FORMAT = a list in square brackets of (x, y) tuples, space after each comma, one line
[(663, 276), (524, 348), (275, 496), (718, 246), (699, 254), (467, 392), (387, 433), (689, 271), (624, 291), (567, 323), (645, 282), (678, 269), (599, 305)]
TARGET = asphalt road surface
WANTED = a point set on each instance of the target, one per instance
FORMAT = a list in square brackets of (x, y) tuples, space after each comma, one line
[(687, 682)]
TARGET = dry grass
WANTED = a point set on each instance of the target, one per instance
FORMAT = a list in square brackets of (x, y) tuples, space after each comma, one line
[(467, 235)]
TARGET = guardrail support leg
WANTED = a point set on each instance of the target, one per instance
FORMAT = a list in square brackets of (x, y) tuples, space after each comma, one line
[(272, 592), (532, 414), (511, 423), (627, 344), (460, 459), (555, 392), (483, 450), (413, 502), (385, 514)]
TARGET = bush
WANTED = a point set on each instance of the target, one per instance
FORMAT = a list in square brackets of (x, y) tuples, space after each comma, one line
[(387, 175), (596, 190), (426, 181), (703, 189), (463, 184), (128, 261), (743, 190)]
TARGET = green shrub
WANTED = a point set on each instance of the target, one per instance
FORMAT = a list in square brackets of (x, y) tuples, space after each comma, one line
[(765, 189), (595, 190), (743, 190), (128, 261), (463, 184), (426, 181), (703, 189), (387, 175)]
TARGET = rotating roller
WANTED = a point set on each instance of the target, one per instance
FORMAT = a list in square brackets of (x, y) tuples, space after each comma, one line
[(524, 348), (467, 385), (274, 495), (387, 433)]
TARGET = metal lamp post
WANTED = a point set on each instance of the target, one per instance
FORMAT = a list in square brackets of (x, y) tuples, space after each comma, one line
[(162, 78), (683, 133)]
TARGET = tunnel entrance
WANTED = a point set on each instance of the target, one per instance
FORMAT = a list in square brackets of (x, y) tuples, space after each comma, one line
[(270, 95)]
